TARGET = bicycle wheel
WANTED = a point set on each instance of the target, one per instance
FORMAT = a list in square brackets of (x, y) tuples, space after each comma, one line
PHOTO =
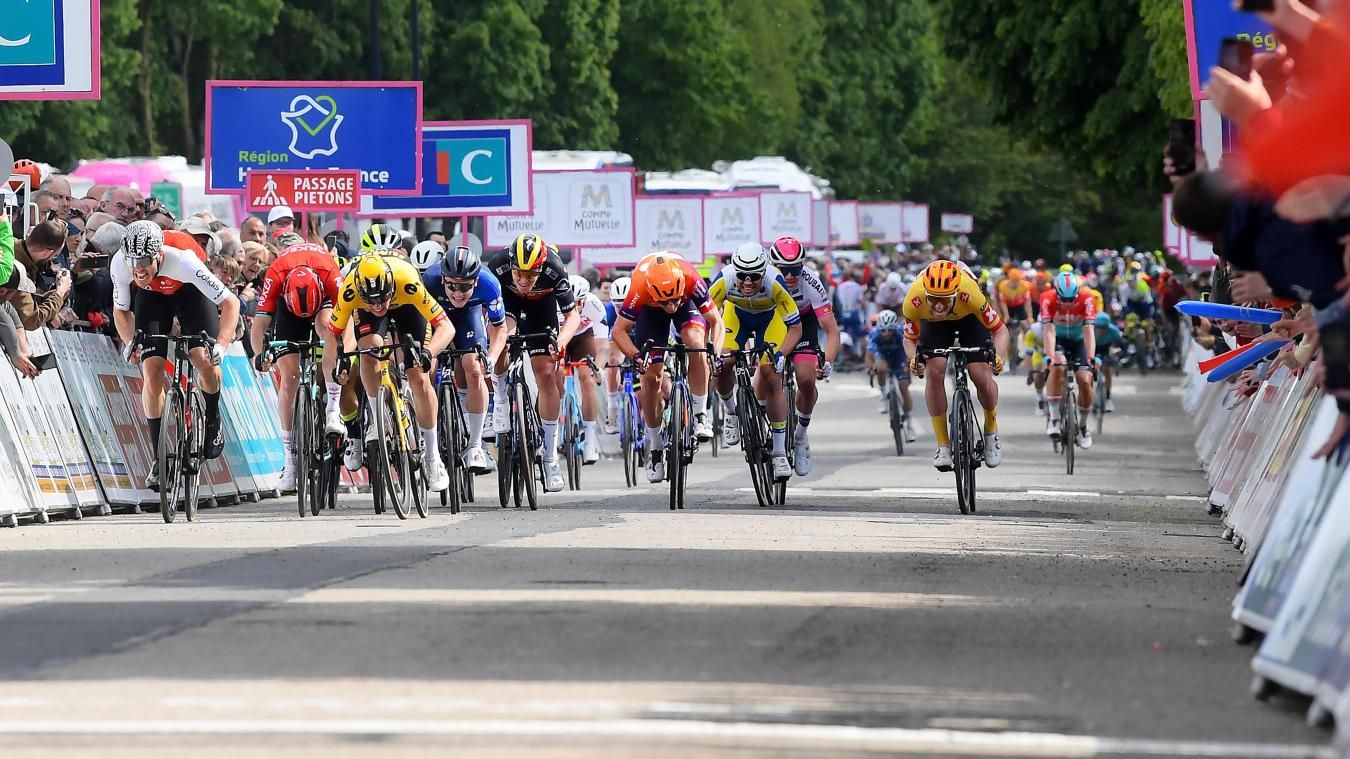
[(318, 452), (445, 442), (193, 443), (573, 443), (752, 443), (169, 462), (505, 465), (628, 439), (415, 455), (393, 458), (790, 435), (1099, 404), (323, 489), (961, 450), (717, 416), (300, 427), (675, 444), (1070, 433), (529, 450), (897, 420)]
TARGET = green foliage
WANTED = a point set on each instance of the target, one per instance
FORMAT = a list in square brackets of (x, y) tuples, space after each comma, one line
[(582, 36)]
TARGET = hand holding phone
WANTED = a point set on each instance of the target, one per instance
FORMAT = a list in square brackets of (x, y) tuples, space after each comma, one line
[(1235, 56), (1255, 6), (1181, 146)]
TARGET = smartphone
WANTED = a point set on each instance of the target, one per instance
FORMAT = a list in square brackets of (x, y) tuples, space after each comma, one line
[(1181, 146), (1253, 6), (1235, 56), (1336, 353)]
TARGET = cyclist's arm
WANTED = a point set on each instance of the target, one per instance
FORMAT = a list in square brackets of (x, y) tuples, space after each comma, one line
[(825, 317), (123, 319), (441, 336), (787, 310), (622, 337), (257, 335)]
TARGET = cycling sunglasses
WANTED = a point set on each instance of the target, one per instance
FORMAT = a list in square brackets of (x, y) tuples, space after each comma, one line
[(791, 271), (749, 276), (459, 287)]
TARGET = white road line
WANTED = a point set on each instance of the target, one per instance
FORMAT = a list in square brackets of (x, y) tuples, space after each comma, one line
[(643, 597), (1065, 493), (899, 740)]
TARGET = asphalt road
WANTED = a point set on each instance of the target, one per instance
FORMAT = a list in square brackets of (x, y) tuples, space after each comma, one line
[(1074, 616)]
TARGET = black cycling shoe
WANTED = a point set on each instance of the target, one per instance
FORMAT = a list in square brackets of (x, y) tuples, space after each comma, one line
[(152, 480), (215, 440)]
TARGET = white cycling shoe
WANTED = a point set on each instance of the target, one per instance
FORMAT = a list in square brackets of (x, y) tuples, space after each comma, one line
[(501, 417), (590, 450), (1110, 406), (656, 466), (333, 423), (477, 461), (993, 450), (437, 478), (286, 483), (942, 460), (351, 457), (703, 428), (910, 434), (731, 431), (782, 470), (1052, 428), (802, 457), (553, 477), (1084, 438)]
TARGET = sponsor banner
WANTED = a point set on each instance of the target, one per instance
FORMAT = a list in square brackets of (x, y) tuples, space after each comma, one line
[(304, 190), (958, 223), (916, 224), (253, 448), (730, 220), (19, 492), (370, 127), (50, 392), (664, 222), (844, 223), (820, 223), (47, 465), (786, 214), (587, 209), (50, 50), (477, 168), (1208, 22), (881, 222)]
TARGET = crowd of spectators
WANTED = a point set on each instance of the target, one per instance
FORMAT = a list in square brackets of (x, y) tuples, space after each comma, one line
[(1278, 208)]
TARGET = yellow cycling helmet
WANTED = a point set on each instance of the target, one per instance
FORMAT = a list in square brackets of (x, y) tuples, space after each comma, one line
[(380, 236), (528, 252), (1066, 267), (374, 278), (941, 279)]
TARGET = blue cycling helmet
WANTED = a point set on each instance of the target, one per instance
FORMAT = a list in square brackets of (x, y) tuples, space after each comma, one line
[(1103, 320), (1066, 286), (460, 263)]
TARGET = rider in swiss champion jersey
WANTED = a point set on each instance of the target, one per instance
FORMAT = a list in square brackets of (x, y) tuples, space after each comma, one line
[(159, 264)]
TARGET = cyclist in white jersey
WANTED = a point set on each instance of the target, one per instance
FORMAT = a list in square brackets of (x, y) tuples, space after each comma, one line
[(891, 293), (813, 301), (593, 334)]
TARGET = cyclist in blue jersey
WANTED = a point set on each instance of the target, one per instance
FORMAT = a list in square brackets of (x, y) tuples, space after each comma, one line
[(886, 356), (1108, 336), (466, 289)]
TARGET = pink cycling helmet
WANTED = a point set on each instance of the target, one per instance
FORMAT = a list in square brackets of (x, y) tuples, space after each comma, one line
[(787, 251)]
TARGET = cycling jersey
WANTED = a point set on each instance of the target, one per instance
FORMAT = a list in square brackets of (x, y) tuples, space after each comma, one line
[(810, 293), (178, 267), (970, 301), (408, 291), (695, 289), (1108, 336), (879, 345), (487, 294), (593, 318), (1136, 291), (1068, 318), (274, 280), (552, 280), (771, 296), (1014, 294), (889, 296)]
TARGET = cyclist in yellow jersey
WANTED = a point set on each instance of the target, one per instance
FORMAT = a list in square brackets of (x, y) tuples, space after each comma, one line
[(383, 290), (944, 304), (757, 306)]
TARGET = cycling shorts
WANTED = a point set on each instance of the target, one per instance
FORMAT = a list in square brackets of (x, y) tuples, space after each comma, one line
[(533, 316), (155, 312), (937, 335), (1075, 352), (743, 326), (810, 342), (406, 319), (1141, 307), (287, 326), (470, 330), (654, 326)]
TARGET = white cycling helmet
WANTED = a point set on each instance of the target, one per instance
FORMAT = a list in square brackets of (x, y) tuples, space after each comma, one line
[(893, 279), (581, 287), (751, 258), (887, 320), (144, 241), (425, 254), (380, 236), (618, 291)]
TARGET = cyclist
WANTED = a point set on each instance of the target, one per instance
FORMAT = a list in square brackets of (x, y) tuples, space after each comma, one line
[(945, 303), (813, 302), (381, 237), (890, 293), (1136, 293), (298, 293), (757, 307), (618, 291), (467, 290), (1108, 337), (1033, 349), (1069, 308), (535, 290), (665, 293), (886, 356), (591, 334), (159, 264), (426, 254), (1013, 296), (382, 290)]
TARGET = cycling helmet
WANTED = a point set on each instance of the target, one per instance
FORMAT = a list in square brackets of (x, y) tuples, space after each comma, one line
[(380, 236), (750, 258), (144, 242), (1066, 267), (1103, 320), (34, 172), (787, 251), (941, 279), (304, 292), (1066, 286), (303, 247), (618, 290), (1015, 274), (424, 254), (374, 279), (887, 321), (665, 275), (528, 252), (581, 287), (461, 263)]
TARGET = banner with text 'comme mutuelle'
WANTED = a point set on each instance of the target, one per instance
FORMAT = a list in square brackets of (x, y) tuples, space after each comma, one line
[(664, 222), (582, 209)]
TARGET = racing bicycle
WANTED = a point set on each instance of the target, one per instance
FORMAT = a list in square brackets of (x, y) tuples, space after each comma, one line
[(967, 443), (316, 452), (182, 431), (520, 464)]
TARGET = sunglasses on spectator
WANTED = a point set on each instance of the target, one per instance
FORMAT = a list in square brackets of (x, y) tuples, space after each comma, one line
[(459, 287), (749, 276), (791, 271)]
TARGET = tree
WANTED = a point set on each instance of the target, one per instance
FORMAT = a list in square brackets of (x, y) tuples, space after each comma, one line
[(488, 61), (582, 36)]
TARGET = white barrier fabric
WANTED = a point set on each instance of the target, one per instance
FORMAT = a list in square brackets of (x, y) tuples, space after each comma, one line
[(37, 439), (844, 222), (19, 493), (820, 224)]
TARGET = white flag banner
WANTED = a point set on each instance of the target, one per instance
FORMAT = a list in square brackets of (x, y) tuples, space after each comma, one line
[(844, 222), (591, 209), (785, 214), (916, 222), (881, 222), (664, 222), (1171, 232), (730, 220), (958, 223), (820, 223)]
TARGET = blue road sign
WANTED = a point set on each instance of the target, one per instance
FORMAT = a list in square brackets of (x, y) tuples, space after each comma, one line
[(474, 168), (49, 49), (371, 127), (1207, 23)]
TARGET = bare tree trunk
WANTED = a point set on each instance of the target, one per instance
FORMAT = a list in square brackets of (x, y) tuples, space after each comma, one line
[(147, 108), (185, 99)]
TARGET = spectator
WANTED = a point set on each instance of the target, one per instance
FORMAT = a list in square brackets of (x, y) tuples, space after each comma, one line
[(280, 220), (48, 204), (36, 251), (122, 204), (438, 236), (13, 342), (227, 268), (253, 230), (201, 232), (59, 187)]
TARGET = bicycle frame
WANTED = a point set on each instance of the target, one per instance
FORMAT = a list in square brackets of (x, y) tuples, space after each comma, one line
[(756, 443), (316, 480), (407, 460), (966, 445), (681, 442), (520, 467), (178, 469)]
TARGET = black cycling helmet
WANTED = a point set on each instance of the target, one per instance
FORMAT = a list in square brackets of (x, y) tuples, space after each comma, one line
[(460, 262)]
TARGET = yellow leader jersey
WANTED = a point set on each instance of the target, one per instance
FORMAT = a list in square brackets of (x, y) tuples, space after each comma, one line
[(970, 301), (408, 291)]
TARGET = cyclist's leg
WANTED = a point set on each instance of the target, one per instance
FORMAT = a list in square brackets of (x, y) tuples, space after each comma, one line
[(1054, 387), (694, 334), (583, 347), (726, 382), (900, 368), (370, 331), (769, 384), (153, 314), (409, 321), (196, 315), (653, 325), (286, 326), (935, 336), (976, 335)]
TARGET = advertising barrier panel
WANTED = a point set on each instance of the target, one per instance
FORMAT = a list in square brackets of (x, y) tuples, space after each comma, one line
[(729, 220), (844, 223), (477, 168), (664, 222), (881, 222), (584, 209), (786, 214)]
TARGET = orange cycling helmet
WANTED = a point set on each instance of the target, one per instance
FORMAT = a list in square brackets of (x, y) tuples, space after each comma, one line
[(941, 279), (665, 277)]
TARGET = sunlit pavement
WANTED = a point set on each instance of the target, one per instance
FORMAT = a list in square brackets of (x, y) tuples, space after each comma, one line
[(1073, 616)]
